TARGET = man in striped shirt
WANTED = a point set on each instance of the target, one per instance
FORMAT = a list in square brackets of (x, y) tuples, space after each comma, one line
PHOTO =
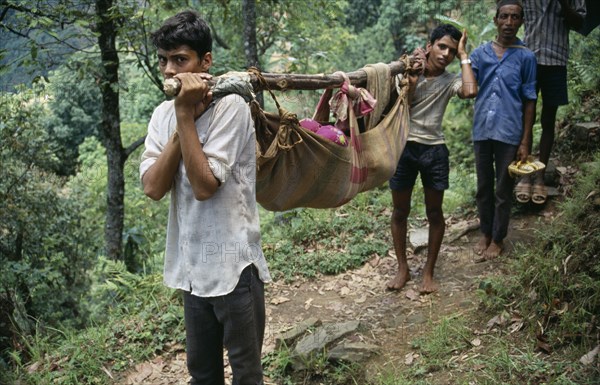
[(547, 25)]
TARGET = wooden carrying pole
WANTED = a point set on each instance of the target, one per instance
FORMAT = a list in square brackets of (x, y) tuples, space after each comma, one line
[(284, 82)]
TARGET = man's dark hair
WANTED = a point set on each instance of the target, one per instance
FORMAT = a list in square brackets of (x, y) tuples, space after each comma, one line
[(445, 29), (186, 27), (502, 3)]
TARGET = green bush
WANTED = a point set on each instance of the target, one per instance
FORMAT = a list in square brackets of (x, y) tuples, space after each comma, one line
[(144, 318), (145, 220), (44, 245)]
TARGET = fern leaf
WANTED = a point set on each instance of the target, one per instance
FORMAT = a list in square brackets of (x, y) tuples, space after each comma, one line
[(448, 20)]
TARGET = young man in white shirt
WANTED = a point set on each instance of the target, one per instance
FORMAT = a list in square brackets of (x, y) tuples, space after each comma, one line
[(203, 152)]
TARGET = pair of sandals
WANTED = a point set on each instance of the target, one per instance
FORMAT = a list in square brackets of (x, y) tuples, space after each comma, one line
[(524, 190), (536, 192)]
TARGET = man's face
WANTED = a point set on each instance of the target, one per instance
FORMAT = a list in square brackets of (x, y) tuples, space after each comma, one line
[(182, 59), (508, 21), (441, 52)]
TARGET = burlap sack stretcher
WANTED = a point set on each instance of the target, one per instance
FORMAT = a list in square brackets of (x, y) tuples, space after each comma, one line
[(297, 168)]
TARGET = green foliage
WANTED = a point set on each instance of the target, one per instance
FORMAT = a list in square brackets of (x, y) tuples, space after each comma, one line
[(309, 241), (583, 64), (448, 337), (434, 352), (72, 99), (372, 45), (89, 185), (584, 95), (317, 369), (477, 16), (44, 253), (145, 318), (39, 36), (457, 125), (145, 220), (449, 20), (507, 364), (362, 14), (567, 269), (499, 359), (73, 106), (570, 259), (139, 95), (291, 38), (404, 21), (459, 198), (277, 365)]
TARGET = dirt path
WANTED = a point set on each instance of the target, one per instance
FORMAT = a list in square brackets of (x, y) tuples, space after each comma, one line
[(391, 319)]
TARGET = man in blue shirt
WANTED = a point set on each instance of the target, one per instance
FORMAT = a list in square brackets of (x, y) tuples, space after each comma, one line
[(504, 114)]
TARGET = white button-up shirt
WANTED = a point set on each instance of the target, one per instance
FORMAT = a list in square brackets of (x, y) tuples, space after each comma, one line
[(210, 242)]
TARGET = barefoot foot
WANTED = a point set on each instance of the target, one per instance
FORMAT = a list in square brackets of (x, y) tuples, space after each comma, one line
[(399, 281), (428, 286), (482, 245), (493, 251)]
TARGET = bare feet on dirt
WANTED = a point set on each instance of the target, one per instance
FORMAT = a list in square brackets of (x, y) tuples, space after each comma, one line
[(399, 281), (428, 285), (493, 251), (482, 245)]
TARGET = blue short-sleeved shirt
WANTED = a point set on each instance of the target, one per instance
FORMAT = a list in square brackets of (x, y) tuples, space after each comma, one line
[(504, 86)]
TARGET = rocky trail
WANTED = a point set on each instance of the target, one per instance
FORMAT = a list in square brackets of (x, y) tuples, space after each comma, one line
[(388, 321)]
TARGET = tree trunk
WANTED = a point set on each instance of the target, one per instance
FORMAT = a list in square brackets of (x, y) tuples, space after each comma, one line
[(111, 129), (250, 45)]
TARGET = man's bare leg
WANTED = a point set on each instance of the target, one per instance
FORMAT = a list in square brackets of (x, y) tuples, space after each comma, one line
[(437, 226), (548, 120), (401, 200)]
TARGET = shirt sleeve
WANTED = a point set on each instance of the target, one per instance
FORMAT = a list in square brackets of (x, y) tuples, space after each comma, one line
[(230, 130), (153, 146), (456, 84), (475, 63), (529, 75)]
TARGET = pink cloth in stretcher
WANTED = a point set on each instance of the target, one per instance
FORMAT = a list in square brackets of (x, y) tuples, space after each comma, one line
[(326, 131)]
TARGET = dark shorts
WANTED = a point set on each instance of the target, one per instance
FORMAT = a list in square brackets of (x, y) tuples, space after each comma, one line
[(552, 81), (431, 161)]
